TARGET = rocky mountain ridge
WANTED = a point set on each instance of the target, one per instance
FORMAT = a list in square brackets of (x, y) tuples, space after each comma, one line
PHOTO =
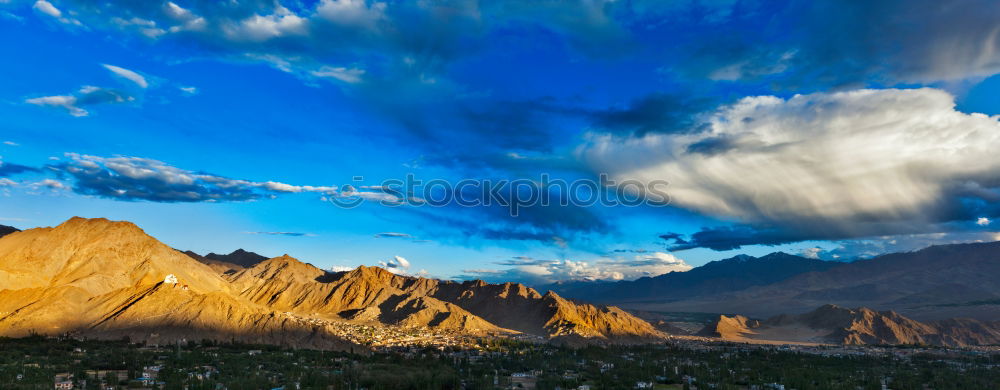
[(860, 326), (103, 278)]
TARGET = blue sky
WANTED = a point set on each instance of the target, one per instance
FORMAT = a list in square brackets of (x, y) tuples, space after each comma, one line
[(834, 129)]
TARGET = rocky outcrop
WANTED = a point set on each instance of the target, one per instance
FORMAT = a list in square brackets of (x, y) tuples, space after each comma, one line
[(735, 327)]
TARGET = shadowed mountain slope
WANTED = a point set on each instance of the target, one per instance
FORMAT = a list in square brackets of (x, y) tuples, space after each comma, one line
[(5, 230), (722, 276), (930, 284)]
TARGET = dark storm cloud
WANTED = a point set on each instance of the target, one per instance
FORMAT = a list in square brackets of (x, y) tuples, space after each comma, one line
[(654, 113), (732, 237), (812, 44)]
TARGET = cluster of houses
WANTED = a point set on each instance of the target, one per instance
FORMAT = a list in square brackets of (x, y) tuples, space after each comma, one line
[(120, 379)]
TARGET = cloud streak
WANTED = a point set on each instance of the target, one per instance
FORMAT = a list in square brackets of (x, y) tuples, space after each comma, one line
[(143, 179), (129, 75), (287, 234)]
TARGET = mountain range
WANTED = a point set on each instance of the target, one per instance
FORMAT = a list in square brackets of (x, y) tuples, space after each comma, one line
[(838, 325), (101, 278), (934, 283), (722, 276), (109, 279)]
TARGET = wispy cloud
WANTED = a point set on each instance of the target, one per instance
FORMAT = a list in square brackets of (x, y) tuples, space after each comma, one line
[(47, 8), (50, 184), (129, 75), (289, 234), (87, 96), (135, 86), (392, 235)]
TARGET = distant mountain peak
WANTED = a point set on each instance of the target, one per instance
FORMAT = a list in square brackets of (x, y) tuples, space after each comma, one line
[(371, 271), (239, 257), (5, 230), (741, 258), (781, 255)]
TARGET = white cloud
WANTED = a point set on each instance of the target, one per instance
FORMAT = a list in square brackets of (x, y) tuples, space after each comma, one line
[(11, 143), (65, 101), (145, 26), (129, 75), (142, 169), (47, 8), (983, 221), (178, 12), (535, 271), (281, 187), (260, 28), (396, 264), (372, 196), (50, 184), (5, 182), (826, 158), (352, 12), (347, 75), (87, 95), (189, 90), (811, 253), (187, 19)]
